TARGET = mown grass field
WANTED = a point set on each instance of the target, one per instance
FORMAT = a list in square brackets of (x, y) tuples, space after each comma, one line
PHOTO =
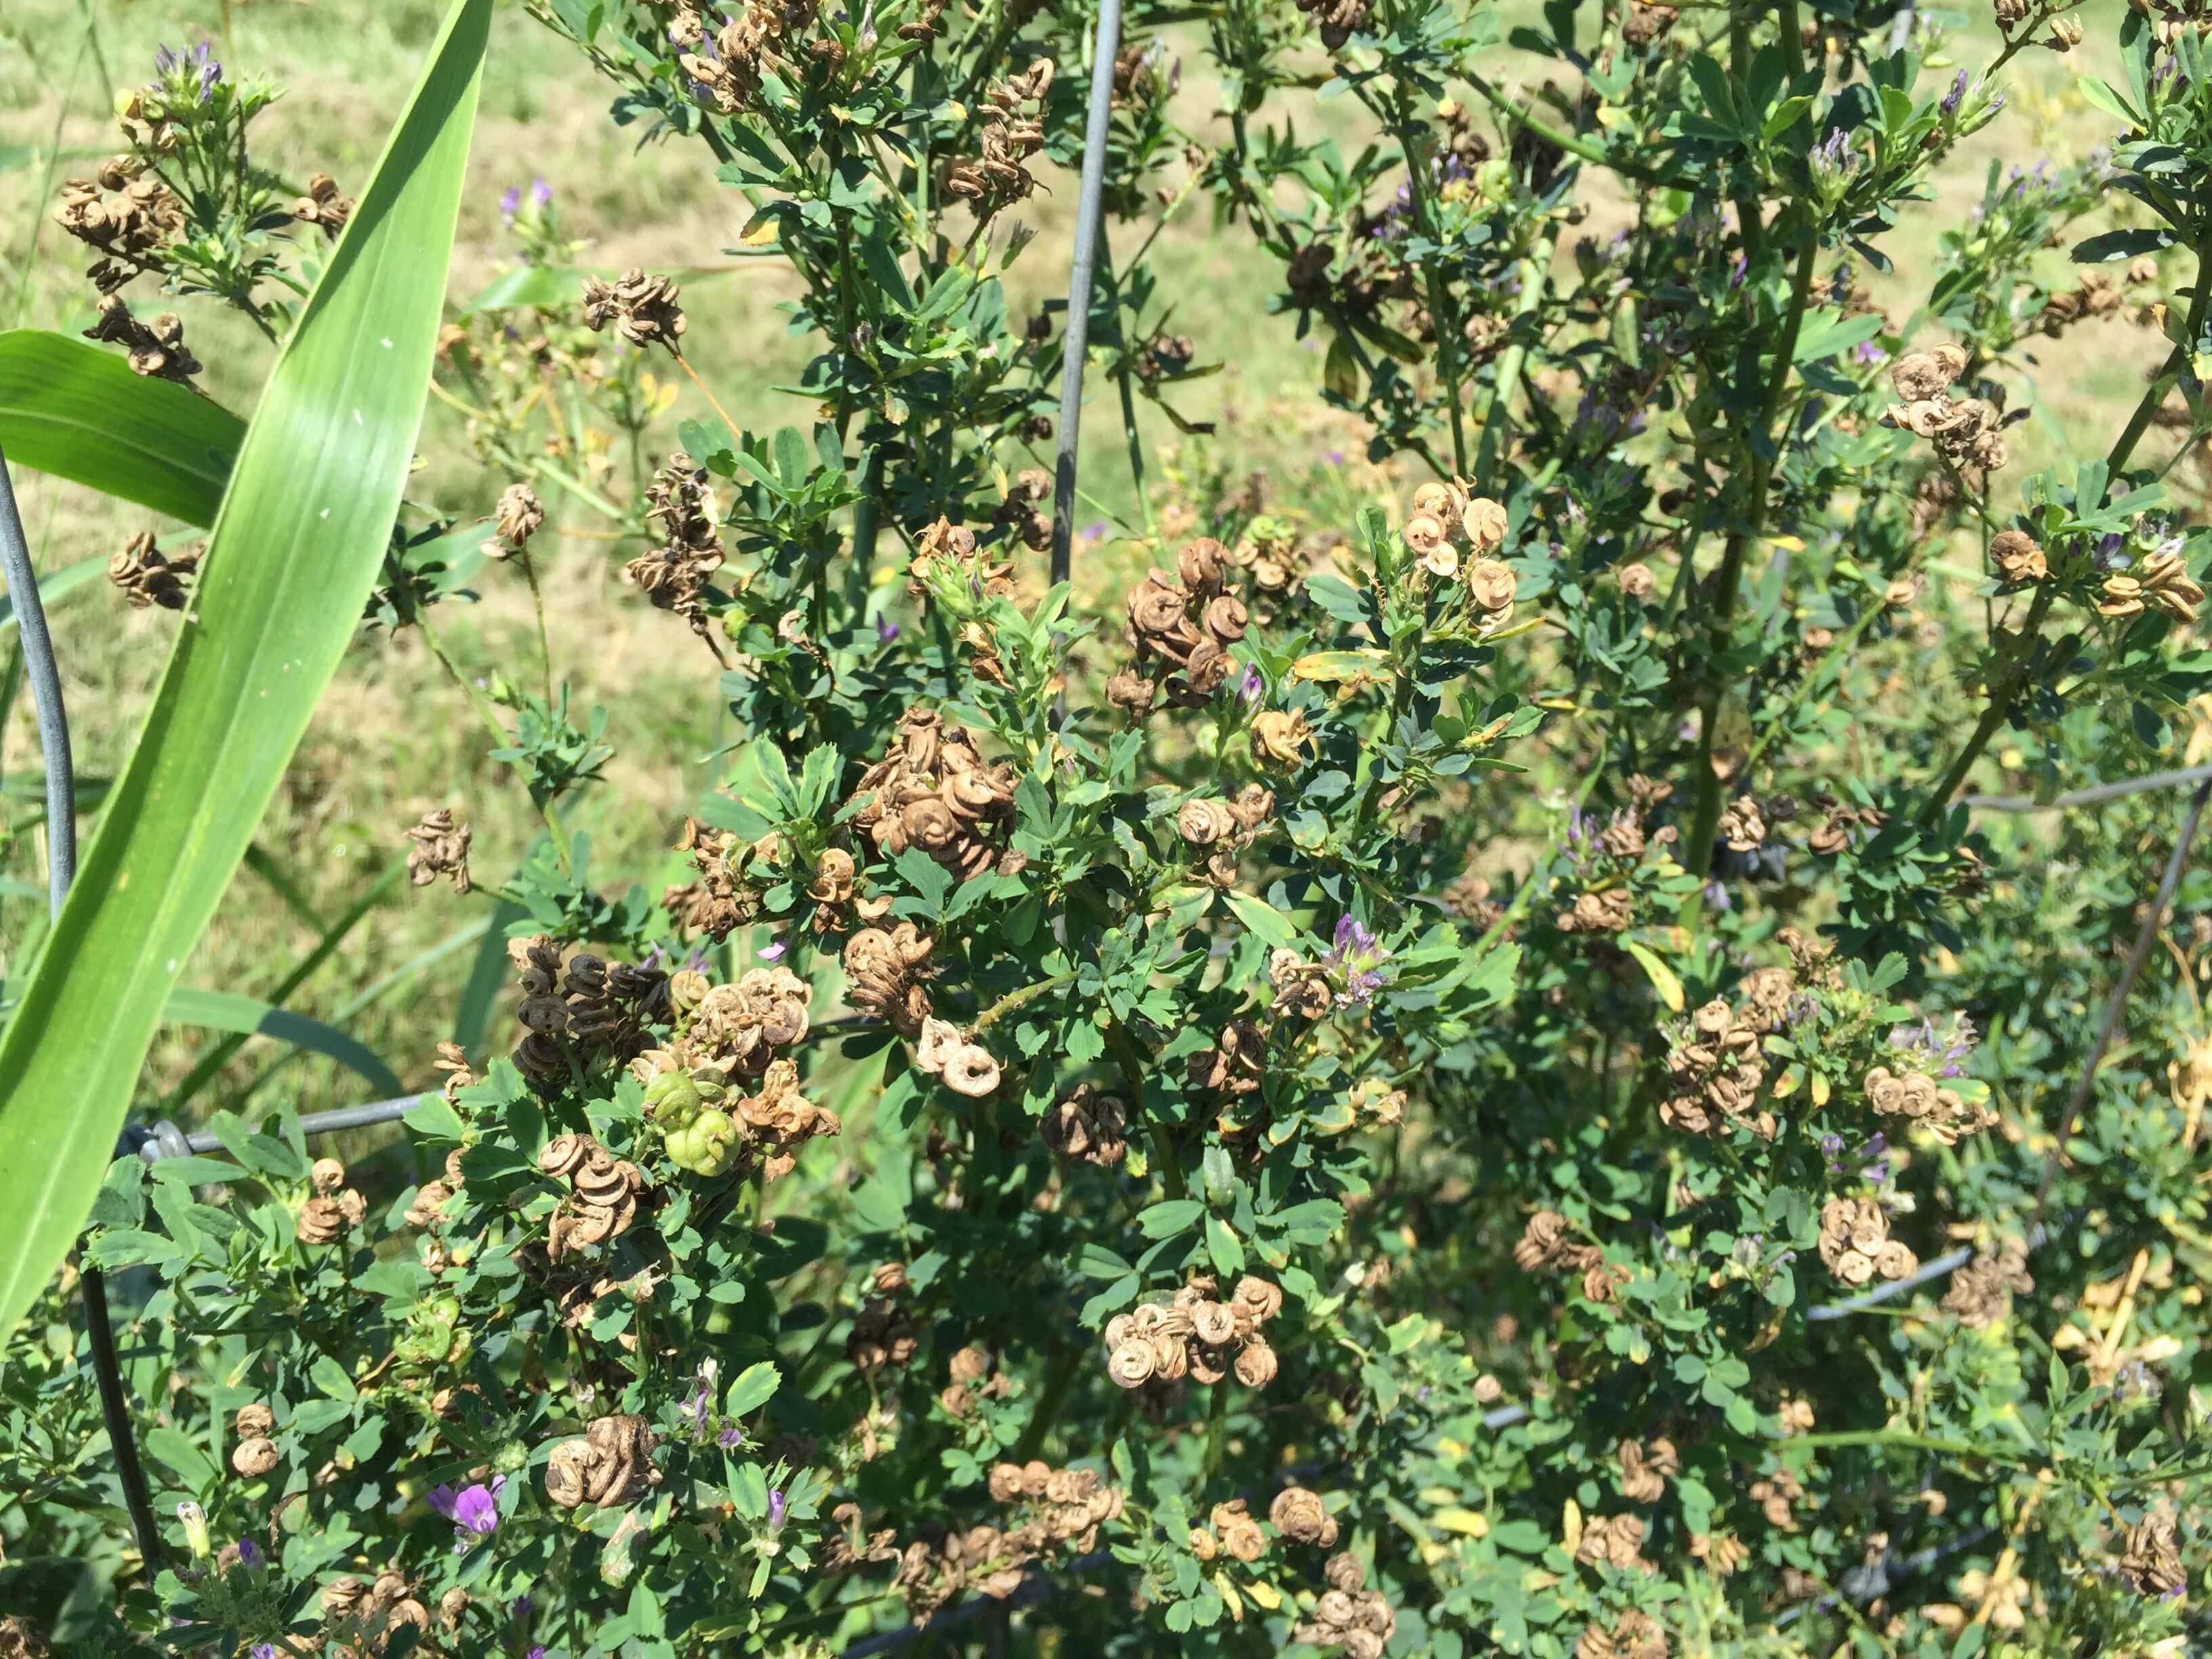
[(394, 736)]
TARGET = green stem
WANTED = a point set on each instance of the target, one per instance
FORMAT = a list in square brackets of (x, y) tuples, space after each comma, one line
[(1893, 1438), (1013, 1000), (1057, 1383), (1216, 1428), (1697, 855), (1442, 316), (582, 491)]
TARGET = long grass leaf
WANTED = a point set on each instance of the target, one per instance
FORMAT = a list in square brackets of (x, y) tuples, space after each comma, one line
[(71, 409), (245, 1017), (295, 550)]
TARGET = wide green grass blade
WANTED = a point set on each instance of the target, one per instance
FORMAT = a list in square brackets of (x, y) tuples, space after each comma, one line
[(295, 550), (71, 409), (245, 1017)]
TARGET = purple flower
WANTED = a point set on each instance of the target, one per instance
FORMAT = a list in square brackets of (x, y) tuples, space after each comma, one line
[(1334, 458), (886, 630), (537, 1651), (1718, 897), (510, 201), (731, 1437), (210, 72), (474, 1510), (249, 1553), (1092, 531), (1250, 687), (775, 1509), (771, 952), (165, 60), (1357, 959), (1955, 96), (264, 1650), (522, 1607), (541, 193), (1736, 272), (1869, 352)]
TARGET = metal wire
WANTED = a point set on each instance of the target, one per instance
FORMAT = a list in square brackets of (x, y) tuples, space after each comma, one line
[(2090, 796), (39, 667), (1075, 340)]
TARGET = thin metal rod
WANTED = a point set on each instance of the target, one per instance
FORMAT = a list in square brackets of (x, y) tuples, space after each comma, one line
[(1075, 340), (2145, 937), (2091, 797), (39, 667), (46, 697)]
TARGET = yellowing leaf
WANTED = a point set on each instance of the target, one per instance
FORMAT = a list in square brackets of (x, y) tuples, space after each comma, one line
[(1229, 1596), (1661, 975), (1571, 1526), (1331, 665), (1820, 1090), (1264, 1593), (1464, 1521)]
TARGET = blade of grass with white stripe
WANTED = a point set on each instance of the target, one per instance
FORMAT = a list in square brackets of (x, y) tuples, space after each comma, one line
[(295, 551)]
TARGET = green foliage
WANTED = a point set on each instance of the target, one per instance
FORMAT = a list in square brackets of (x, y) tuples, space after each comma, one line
[(1433, 1075)]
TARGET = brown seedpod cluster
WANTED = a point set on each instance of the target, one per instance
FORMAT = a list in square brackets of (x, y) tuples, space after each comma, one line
[(605, 1193), (1012, 131), (947, 551), (1834, 833), (886, 972), (1347, 1613), (1546, 1245), (2161, 582), (1777, 1496), (610, 1466), (1742, 827), (1634, 1635), (1614, 1540), (882, 1335), (1235, 1062), (1026, 510), (336, 1208), (147, 576), (155, 350), (1339, 19), (966, 1067), (1716, 1068), (324, 206), (641, 309), (585, 1009), (363, 1618), (1448, 521), (931, 790), (1088, 1125), (1054, 1511), (674, 575), (125, 214), (1215, 830), (1982, 1290), (1645, 1468), (1944, 1113), (1196, 1334), (732, 874), (1181, 628), (1604, 910), (2152, 1563), (975, 1375), (739, 1028), (1855, 1244), (517, 516), (1966, 432), (440, 848), (255, 1454), (1302, 1516)]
